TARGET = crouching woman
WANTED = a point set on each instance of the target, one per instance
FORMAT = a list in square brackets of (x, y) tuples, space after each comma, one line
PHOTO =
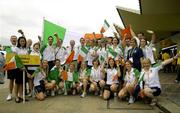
[(39, 80), (152, 87)]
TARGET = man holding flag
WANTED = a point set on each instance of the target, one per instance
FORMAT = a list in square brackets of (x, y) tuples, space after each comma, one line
[(48, 52)]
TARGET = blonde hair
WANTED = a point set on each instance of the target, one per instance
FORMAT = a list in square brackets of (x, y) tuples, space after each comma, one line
[(145, 60)]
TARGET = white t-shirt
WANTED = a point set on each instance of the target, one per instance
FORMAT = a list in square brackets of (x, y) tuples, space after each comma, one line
[(49, 53), (61, 54), (68, 50), (90, 57), (96, 74), (38, 77), (130, 76), (151, 78), (102, 53), (70, 76), (13, 48), (21, 51), (148, 53), (111, 76)]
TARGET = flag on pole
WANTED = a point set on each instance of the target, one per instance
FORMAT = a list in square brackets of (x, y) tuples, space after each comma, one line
[(64, 34), (82, 53), (104, 27), (126, 31), (14, 63), (51, 28)]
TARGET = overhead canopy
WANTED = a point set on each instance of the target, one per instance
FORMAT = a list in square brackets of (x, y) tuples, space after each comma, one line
[(161, 16)]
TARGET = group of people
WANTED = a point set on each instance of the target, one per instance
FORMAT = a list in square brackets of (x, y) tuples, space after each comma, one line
[(108, 67)]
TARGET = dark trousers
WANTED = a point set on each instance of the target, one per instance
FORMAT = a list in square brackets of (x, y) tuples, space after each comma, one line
[(178, 73), (51, 65)]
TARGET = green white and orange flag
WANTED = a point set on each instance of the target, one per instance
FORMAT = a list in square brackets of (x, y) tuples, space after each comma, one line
[(70, 57), (112, 52), (14, 63), (105, 27), (82, 53), (51, 28)]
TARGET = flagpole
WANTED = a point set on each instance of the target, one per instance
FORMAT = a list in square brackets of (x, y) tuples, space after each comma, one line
[(23, 86), (42, 38)]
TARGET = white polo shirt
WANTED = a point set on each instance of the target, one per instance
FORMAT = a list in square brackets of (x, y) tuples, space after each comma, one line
[(21, 51), (111, 73), (148, 53), (130, 76), (38, 77), (70, 76), (90, 57), (13, 48), (49, 53), (102, 53), (61, 54), (68, 50), (151, 77), (96, 74)]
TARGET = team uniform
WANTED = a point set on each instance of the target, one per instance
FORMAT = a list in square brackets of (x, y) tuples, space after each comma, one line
[(11, 73), (19, 72), (39, 78), (49, 55), (111, 78), (148, 53), (151, 79), (61, 54)]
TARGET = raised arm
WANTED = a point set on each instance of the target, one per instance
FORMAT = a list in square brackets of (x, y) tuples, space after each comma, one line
[(170, 60)]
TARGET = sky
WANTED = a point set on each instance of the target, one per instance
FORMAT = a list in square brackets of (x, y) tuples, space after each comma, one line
[(80, 16)]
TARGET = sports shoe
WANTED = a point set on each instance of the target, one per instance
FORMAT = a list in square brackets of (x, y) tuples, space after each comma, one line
[(60, 92), (101, 93), (131, 100), (74, 92), (153, 102), (9, 97), (176, 81), (52, 93), (65, 93), (30, 94), (83, 95)]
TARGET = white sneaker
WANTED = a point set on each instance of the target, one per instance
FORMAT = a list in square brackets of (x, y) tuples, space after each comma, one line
[(153, 102), (74, 92), (30, 94), (65, 93), (52, 93), (9, 97), (83, 95), (60, 92), (131, 99), (101, 93)]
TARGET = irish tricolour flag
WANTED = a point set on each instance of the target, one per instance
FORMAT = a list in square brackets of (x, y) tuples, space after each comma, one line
[(64, 34), (105, 27), (14, 63), (82, 53)]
